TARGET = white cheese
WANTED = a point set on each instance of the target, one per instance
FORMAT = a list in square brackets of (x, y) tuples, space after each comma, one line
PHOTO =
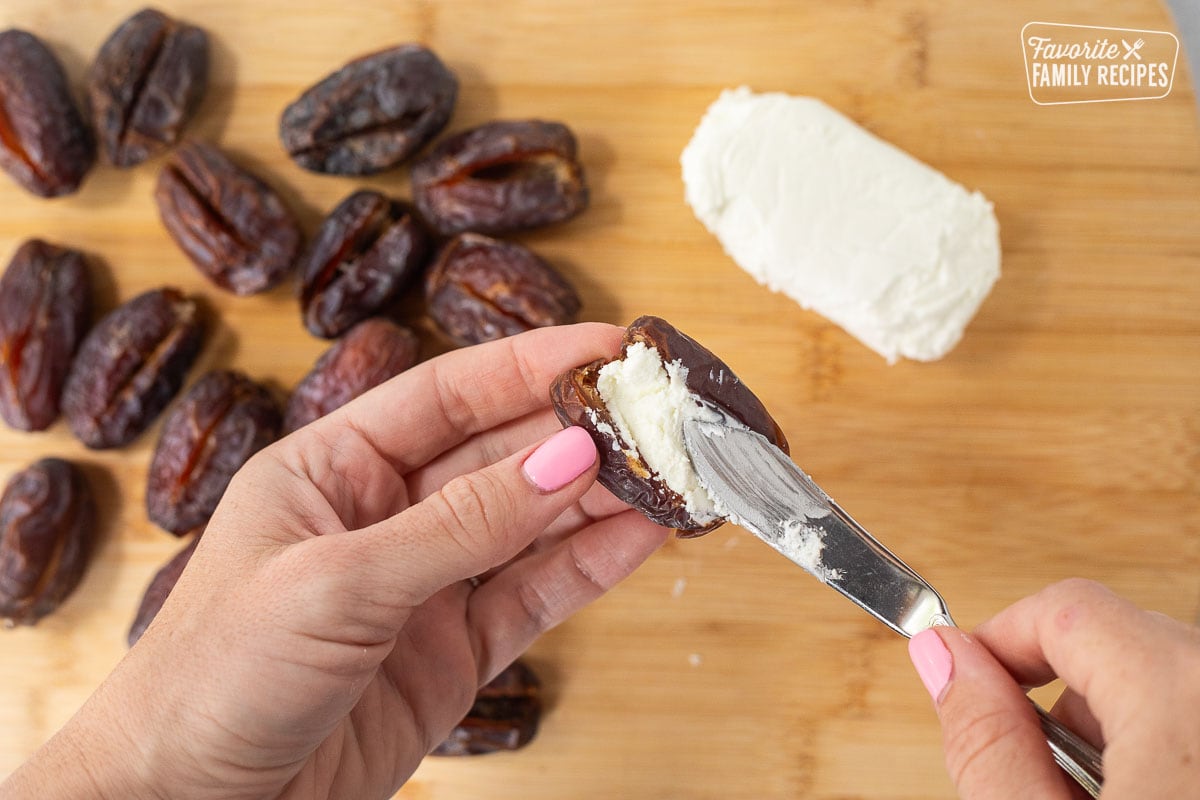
[(649, 401), (845, 224)]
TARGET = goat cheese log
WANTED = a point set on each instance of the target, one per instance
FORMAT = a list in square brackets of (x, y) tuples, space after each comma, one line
[(847, 225)]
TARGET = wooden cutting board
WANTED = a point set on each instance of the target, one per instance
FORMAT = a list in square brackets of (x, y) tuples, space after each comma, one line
[(1062, 437)]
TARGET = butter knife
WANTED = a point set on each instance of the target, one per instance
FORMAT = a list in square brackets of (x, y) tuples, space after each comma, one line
[(757, 486)]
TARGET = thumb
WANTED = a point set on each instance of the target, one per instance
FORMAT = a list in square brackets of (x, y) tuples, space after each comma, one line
[(476, 521), (990, 732)]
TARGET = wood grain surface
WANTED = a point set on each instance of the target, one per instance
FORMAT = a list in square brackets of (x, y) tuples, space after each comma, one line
[(1060, 438)]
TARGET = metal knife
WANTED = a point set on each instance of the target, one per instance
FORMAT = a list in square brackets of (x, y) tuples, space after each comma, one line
[(757, 486)]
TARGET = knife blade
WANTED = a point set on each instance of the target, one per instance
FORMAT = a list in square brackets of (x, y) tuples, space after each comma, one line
[(761, 489)]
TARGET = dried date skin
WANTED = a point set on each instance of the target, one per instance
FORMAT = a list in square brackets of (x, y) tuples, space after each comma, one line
[(129, 367), (145, 85), (156, 593), (502, 176), (47, 529), (217, 426), (505, 715), (577, 401), (370, 114), (481, 289), (370, 353), (233, 226), (45, 145), (365, 253), (45, 305)]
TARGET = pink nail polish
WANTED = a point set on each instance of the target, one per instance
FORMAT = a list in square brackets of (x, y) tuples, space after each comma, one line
[(932, 661), (560, 459)]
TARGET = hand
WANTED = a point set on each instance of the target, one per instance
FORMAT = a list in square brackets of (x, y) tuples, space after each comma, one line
[(1133, 689), (328, 632)]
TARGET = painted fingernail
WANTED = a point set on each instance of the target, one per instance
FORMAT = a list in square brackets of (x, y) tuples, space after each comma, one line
[(932, 660), (560, 459)]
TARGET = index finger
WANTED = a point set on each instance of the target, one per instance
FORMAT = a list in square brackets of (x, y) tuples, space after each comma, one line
[(440, 403)]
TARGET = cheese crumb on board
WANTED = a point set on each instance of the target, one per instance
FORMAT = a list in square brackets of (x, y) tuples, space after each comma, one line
[(847, 225)]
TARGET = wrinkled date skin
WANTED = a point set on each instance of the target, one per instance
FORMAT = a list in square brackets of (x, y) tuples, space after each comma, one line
[(44, 143), (47, 527), (45, 305), (145, 84), (502, 176), (156, 593), (365, 253), (577, 401), (233, 227), (505, 715), (481, 289), (130, 366), (222, 421), (371, 114), (371, 352)]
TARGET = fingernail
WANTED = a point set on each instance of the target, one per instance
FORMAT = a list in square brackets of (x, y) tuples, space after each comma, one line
[(560, 459), (932, 660)]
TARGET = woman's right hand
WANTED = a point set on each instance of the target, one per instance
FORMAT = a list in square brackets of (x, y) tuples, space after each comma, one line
[(1133, 690)]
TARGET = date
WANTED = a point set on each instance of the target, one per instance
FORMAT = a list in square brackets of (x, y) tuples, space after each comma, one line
[(45, 145), (233, 226), (481, 289), (47, 529), (129, 367), (370, 353), (505, 715), (221, 421), (45, 306), (365, 253), (156, 593), (145, 85), (623, 468), (501, 176), (371, 114)]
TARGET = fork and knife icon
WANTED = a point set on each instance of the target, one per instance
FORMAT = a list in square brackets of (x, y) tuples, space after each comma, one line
[(1132, 49)]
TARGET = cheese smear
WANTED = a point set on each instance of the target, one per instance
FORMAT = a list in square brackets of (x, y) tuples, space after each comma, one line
[(847, 225)]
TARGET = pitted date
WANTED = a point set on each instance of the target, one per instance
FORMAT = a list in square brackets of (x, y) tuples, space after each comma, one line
[(233, 226), (370, 353), (371, 114), (47, 518), (481, 289), (145, 84), (222, 421), (45, 304), (130, 366), (365, 253), (44, 143), (505, 715), (502, 176), (624, 472), (156, 593)]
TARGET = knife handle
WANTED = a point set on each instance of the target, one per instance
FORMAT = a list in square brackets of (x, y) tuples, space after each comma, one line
[(1076, 757)]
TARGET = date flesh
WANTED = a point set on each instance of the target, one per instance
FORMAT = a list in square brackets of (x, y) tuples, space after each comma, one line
[(222, 421), (145, 84), (156, 593), (481, 289), (501, 176), (47, 527), (130, 366), (233, 226), (371, 114), (577, 401), (505, 715), (365, 253), (44, 143), (370, 353), (45, 304)]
